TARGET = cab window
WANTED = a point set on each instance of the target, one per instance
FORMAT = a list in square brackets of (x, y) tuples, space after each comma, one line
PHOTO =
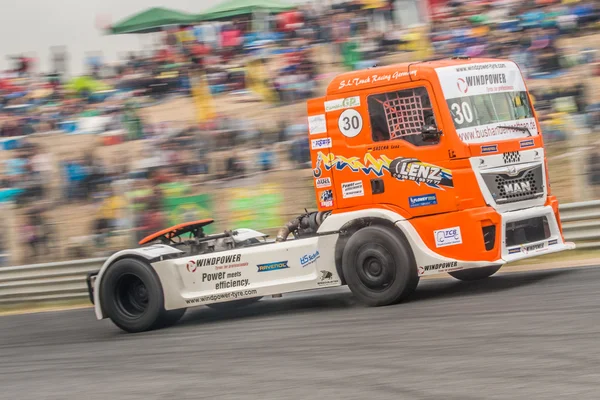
[(401, 115)]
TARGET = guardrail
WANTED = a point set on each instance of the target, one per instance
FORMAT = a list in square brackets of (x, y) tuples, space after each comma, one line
[(581, 223), (66, 280), (46, 282)]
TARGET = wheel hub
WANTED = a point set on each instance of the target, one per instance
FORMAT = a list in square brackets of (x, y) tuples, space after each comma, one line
[(131, 295), (376, 267)]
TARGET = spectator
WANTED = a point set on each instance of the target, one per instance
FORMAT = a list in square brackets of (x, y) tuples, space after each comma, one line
[(594, 172)]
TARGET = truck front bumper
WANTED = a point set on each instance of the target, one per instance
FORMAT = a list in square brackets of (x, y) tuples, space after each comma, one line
[(537, 223)]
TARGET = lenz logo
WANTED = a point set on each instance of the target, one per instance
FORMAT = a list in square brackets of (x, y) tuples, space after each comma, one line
[(417, 171)]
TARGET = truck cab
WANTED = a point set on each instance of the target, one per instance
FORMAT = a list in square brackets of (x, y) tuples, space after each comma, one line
[(453, 147)]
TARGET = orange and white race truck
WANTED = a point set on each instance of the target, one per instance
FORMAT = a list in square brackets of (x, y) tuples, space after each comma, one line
[(419, 169)]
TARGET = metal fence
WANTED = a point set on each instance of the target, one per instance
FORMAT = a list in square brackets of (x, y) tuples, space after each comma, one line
[(66, 280), (581, 223)]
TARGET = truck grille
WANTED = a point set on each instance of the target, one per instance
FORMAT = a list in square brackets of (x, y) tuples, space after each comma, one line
[(518, 183)]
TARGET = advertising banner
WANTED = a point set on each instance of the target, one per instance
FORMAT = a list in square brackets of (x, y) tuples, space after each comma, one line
[(256, 208)]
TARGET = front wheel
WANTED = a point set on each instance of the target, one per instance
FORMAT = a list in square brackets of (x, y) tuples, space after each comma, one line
[(475, 274), (232, 305), (379, 266), (131, 296)]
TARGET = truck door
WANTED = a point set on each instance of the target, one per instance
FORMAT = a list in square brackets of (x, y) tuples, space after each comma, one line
[(381, 155)]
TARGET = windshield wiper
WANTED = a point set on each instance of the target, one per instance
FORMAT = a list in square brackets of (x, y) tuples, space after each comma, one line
[(517, 128)]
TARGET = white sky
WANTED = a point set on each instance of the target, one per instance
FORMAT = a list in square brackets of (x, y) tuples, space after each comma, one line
[(31, 27)]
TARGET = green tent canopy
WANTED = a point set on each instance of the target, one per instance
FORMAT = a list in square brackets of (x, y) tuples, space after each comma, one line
[(235, 8), (151, 20)]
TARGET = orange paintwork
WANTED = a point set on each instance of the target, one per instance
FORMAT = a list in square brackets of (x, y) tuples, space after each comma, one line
[(356, 158), (176, 230)]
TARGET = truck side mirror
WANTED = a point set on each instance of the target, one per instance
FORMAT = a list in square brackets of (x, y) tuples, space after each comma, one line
[(430, 133)]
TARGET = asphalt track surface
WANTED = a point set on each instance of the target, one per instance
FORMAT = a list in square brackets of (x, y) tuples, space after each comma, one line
[(529, 335)]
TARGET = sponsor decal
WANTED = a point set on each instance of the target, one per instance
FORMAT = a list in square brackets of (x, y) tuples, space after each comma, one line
[(441, 267), (222, 296), (462, 85), (370, 164), (479, 67), (401, 168), (526, 143), (352, 189), (221, 262), (225, 280), (421, 201), (324, 143), (513, 251), (553, 242), (447, 237), (495, 131), (322, 182), (482, 80), (326, 278), (490, 148), (274, 266), (326, 198), (532, 247), (355, 82), (417, 171), (309, 258), (191, 266), (341, 104), (317, 124)]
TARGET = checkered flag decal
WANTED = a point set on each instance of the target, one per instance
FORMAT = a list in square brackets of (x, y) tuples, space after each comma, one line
[(511, 157)]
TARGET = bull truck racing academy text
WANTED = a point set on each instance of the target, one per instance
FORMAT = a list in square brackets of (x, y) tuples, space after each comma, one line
[(422, 168)]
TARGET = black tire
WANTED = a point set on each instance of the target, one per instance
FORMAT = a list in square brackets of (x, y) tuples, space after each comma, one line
[(475, 274), (170, 318), (132, 297), (379, 266), (232, 305)]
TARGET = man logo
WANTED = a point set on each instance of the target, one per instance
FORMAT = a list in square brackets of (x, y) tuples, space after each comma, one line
[(517, 188)]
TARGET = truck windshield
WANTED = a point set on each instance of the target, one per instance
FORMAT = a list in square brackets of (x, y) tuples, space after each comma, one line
[(481, 117), (485, 98)]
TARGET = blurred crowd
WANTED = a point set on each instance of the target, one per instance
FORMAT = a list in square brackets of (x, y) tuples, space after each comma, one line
[(280, 66)]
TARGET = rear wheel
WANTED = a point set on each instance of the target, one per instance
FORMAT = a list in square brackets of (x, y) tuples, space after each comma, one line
[(131, 296), (475, 274), (379, 266), (232, 305)]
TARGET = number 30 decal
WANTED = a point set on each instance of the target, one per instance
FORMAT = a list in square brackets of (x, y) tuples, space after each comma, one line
[(462, 113), (350, 123)]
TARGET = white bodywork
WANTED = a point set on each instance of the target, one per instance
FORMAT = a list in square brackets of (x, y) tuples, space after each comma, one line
[(294, 265)]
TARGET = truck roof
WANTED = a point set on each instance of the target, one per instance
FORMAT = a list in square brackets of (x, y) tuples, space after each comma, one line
[(396, 73)]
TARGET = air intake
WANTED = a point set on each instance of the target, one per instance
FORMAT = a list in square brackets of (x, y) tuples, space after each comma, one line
[(489, 237)]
